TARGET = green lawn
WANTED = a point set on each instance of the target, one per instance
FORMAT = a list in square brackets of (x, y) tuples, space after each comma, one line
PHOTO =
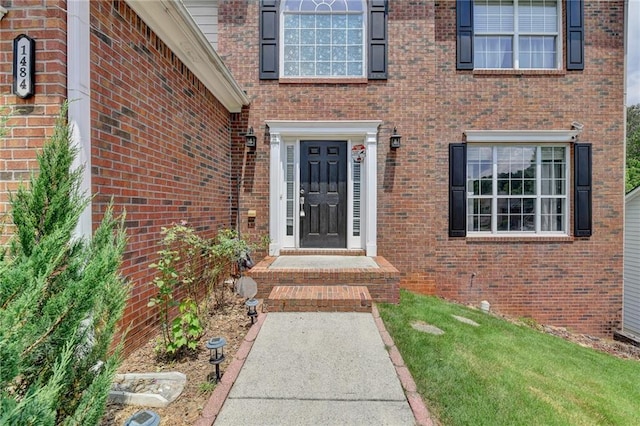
[(504, 374)]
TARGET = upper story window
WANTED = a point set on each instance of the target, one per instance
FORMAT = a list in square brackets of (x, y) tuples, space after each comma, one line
[(323, 38), (516, 34)]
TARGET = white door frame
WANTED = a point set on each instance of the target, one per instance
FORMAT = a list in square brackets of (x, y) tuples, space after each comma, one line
[(285, 133)]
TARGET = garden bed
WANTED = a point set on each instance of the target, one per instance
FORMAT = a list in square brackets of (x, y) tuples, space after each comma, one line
[(230, 322)]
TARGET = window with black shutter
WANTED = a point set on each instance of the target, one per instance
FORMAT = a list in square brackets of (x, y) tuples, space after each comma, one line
[(323, 39)]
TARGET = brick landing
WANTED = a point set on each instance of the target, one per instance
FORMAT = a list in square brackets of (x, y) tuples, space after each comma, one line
[(382, 282), (319, 298)]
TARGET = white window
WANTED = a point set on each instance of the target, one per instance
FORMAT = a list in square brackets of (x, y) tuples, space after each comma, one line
[(517, 189), (323, 38), (518, 34)]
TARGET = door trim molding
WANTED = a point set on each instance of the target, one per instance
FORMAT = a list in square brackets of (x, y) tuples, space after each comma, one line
[(356, 131)]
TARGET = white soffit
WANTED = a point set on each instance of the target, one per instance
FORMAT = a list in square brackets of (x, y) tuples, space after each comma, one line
[(521, 136), (171, 21)]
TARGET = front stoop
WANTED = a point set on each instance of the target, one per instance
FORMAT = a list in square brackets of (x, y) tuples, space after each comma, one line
[(319, 298), (381, 281)]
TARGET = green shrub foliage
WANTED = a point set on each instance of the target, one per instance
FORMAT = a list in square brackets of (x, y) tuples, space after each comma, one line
[(61, 297)]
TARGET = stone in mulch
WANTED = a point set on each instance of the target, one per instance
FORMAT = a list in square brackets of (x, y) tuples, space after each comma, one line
[(147, 389), (466, 320), (426, 328)]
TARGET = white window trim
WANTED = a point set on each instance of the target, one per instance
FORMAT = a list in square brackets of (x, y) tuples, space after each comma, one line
[(283, 132), (365, 50), (528, 137), (521, 136), (516, 34)]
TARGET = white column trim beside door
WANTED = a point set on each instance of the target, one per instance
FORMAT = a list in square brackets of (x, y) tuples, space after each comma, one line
[(356, 131), (275, 194), (371, 194)]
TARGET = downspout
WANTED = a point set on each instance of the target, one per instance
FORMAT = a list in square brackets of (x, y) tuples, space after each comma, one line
[(79, 96)]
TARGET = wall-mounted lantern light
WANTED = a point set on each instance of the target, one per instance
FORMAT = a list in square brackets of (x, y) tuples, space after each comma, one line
[(394, 140), (250, 138)]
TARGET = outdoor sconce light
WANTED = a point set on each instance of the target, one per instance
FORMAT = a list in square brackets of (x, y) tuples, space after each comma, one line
[(216, 353), (250, 138), (394, 140), (251, 305)]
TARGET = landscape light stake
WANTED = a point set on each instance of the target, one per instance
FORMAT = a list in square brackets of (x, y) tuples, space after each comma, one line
[(216, 353), (252, 312)]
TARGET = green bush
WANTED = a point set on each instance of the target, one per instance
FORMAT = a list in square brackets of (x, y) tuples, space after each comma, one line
[(61, 297)]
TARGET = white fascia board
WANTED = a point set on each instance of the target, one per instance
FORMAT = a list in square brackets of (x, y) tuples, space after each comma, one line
[(337, 128), (521, 136), (171, 21)]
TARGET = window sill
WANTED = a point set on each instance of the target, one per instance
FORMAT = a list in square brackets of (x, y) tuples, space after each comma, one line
[(341, 80), (522, 238), (519, 73)]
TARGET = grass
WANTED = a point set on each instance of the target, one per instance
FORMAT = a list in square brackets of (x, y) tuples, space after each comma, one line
[(506, 374)]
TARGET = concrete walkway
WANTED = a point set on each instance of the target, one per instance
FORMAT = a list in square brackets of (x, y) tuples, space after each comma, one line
[(320, 368)]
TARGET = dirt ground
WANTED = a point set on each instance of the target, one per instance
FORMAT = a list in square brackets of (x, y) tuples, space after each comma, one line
[(232, 323)]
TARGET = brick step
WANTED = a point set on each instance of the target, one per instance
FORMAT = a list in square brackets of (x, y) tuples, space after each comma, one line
[(319, 298), (381, 278)]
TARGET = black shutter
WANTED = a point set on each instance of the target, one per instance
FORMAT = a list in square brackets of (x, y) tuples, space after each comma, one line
[(575, 35), (464, 24), (582, 208), (377, 69), (457, 190), (269, 39)]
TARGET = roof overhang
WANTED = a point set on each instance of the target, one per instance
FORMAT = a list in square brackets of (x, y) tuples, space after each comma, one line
[(171, 21), (635, 193), (521, 136)]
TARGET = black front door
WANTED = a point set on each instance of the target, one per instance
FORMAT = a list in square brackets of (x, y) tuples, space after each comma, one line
[(323, 185)]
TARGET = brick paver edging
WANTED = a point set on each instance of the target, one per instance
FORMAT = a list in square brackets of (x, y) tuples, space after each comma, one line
[(420, 411), (216, 400)]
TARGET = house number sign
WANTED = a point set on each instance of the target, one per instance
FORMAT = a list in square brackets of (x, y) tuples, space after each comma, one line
[(24, 60)]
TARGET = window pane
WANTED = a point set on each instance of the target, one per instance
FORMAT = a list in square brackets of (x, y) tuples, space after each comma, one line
[(493, 16), (323, 36), (320, 36), (517, 191), (537, 52), (493, 52), (538, 16)]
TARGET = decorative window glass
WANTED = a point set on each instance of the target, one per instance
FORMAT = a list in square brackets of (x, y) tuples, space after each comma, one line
[(323, 38), (290, 182), (357, 191), (517, 189), (519, 34)]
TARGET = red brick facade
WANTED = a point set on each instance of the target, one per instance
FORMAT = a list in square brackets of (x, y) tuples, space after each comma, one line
[(160, 140), (167, 150), (569, 281)]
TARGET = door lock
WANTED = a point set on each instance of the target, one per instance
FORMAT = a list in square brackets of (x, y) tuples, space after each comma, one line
[(301, 202)]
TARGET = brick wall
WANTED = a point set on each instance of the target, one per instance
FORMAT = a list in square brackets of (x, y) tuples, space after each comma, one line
[(31, 119), (570, 282), (161, 143), (160, 147)]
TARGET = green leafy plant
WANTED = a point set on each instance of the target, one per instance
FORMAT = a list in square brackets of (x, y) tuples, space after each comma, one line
[(186, 328), (228, 254), (179, 269)]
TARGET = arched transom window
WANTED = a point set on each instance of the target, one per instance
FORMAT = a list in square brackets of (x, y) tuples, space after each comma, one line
[(323, 38)]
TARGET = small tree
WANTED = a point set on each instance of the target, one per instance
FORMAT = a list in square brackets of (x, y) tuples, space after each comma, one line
[(60, 299)]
